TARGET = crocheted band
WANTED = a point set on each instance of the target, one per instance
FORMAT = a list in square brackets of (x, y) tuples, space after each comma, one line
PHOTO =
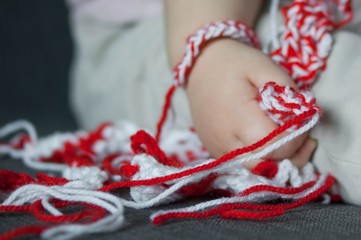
[(196, 42)]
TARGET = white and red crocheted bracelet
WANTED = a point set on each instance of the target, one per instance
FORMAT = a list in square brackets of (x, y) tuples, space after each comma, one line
[(174, 164)]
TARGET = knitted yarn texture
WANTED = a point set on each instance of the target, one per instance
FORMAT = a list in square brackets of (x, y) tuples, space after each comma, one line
[(173, 164)]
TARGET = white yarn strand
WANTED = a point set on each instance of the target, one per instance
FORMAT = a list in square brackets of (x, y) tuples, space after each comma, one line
[(248, 198)]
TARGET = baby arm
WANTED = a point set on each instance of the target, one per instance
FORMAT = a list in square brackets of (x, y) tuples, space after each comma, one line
[(223, 86)]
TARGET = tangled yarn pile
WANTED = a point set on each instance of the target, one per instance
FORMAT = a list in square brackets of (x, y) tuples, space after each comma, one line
[(174, 164)]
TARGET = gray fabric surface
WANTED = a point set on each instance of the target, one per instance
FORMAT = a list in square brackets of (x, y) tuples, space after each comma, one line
[(313, 221)]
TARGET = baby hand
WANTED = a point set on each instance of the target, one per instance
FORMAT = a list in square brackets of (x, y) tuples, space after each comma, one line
[(222, 92)]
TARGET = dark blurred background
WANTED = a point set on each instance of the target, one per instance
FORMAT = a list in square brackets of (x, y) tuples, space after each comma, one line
[(35, 57)]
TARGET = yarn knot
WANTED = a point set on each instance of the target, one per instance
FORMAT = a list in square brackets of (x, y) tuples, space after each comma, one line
[(282, 103)]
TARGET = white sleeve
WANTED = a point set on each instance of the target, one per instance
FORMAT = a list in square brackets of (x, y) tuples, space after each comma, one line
[(114, 11)]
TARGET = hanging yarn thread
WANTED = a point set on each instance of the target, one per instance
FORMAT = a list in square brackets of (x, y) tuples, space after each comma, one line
[(174, 164)]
